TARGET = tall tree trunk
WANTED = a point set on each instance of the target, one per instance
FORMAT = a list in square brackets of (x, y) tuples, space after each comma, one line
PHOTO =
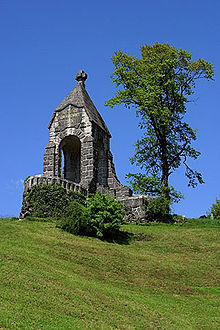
[(165, 175), (164, 181)]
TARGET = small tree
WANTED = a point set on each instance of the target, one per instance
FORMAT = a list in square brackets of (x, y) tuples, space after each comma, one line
[(158, 86), (158, 209), (215, 209), (105, 215), (101, 217)]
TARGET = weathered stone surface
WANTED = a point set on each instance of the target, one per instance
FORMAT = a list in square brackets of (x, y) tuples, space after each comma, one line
[(78, 152), (135, 208)]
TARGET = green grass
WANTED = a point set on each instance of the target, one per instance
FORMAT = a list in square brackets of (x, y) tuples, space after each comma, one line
[(161, 277)]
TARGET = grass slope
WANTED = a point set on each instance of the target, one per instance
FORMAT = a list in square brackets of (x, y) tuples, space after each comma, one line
[(166, 277)]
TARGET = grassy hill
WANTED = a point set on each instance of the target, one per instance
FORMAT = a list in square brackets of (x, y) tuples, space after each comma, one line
[(159, 277)]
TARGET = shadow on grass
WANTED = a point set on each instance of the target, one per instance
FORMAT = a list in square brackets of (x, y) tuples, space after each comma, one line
[(125, 238), (117, 237)]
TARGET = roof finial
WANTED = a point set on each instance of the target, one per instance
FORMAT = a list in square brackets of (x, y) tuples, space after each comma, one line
[(81, 77)]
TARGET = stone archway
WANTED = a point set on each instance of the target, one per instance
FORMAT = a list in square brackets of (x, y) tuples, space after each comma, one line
[(70, 147)]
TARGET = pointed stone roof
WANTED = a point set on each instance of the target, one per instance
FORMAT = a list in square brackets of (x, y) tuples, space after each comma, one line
[(80, 98)]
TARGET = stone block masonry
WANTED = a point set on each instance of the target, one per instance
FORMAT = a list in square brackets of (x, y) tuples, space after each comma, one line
[(78, 152)]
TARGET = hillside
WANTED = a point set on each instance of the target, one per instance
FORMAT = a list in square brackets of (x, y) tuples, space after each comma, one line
[(159, 276)]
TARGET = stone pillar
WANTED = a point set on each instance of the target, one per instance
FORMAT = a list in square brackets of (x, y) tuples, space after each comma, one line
[(113, 182), (49, 161), (87, 163), (57, 162)]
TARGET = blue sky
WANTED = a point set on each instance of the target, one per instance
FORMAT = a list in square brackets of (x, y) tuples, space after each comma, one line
[(44, 44)]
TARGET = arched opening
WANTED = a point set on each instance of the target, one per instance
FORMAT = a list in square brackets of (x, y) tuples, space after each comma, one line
[(70, 148), (62, 163)]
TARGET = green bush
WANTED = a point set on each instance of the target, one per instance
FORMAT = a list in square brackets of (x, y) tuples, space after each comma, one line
[(215, 209), (75, 219), (50, 200), (105, 215), (158, 209), (101, 218)]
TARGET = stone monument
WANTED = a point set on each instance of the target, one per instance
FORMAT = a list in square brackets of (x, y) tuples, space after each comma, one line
[(78, 154)]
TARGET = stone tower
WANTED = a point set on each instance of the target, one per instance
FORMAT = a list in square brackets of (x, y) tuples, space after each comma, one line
[(78, 154), (79, 135)]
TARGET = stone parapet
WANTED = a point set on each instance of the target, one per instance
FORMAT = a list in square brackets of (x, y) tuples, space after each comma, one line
[(43, 179), (134, 205)]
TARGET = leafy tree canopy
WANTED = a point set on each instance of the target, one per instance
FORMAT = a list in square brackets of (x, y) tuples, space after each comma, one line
[(159, 86)]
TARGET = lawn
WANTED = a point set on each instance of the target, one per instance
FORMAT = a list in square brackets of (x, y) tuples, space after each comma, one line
[(160, 277)]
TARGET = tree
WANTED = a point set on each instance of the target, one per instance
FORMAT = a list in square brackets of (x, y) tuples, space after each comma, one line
[(158, 86), (215, 209)]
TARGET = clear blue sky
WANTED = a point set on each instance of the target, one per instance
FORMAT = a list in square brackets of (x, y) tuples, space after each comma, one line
[(45, 42)]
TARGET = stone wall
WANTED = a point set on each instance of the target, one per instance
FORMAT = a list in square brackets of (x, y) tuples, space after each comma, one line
[(134, 205), (43, 179), (135, 208)]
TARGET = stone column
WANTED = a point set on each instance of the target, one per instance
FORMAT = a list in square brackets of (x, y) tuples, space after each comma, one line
[(49, 161), (87, 163)]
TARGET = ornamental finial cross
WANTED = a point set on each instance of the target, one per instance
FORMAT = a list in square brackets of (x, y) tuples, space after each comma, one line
[(81, 76)]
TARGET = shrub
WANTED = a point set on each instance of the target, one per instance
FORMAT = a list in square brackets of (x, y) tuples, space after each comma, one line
[(75, 219), (101, 218), (105, 215), (215, 209), (50, 200), (179, 218), (158, 209)]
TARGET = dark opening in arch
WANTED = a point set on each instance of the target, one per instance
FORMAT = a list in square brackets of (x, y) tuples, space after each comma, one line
[(70, 147)]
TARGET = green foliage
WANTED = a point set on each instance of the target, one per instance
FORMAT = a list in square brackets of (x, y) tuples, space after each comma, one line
[(215, 209), (158, 86), (105, 215), (151, 185), (100, 218), (143, 184), (158, 209), (50, 200), (75, 220), (99, 215), (25, 180), (179, 219)]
